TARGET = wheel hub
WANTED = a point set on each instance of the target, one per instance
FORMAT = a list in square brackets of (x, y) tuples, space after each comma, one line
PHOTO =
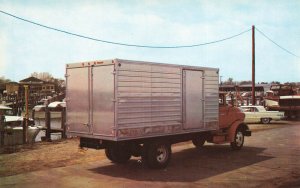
[(161, 154), (239, 138)]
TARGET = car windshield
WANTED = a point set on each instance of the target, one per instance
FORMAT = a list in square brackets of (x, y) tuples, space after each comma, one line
[(249, 109)]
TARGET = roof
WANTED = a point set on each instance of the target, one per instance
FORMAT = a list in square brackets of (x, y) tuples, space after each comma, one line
[(13, 118), (16, 83), (49, 83), (120, 61), (32, 80), (258, 107), (3, 107), (57, 104), (246, 87)]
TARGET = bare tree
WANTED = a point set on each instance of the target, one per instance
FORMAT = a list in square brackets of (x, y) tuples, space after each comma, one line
[(45, 76), (4, 80), (245, 82), (229, 81)]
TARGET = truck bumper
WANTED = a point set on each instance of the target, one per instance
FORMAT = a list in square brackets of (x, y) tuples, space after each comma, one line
[(91, 143)]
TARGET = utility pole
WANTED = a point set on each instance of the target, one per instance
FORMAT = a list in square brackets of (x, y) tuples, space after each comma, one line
[(253, 65)]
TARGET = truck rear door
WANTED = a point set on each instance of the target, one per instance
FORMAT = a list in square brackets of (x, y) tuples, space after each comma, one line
[(103, 83), (78, 100)]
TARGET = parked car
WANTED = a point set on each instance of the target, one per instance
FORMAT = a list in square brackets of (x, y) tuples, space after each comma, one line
[(255, 114)]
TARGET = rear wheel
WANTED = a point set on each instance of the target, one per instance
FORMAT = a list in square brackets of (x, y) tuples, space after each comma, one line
[(265, 120), (118, 154), (157, 155), (238, 142), (198, 142), (108, 155)]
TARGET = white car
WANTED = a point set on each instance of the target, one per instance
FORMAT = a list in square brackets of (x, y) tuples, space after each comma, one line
[(255, 114)]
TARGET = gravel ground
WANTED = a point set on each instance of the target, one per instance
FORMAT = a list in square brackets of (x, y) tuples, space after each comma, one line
[(44, 155)]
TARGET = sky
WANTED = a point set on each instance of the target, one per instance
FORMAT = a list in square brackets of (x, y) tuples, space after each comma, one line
[(26, 48)]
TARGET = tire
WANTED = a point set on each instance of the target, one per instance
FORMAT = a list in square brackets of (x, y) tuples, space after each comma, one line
[(117, 154), (157, 155), (108, 155), (265, 120), (198, 142), (238, 142)]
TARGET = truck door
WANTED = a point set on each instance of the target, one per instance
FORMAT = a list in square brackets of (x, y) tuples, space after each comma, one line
[(103, 100), (193, 99), (78, 113)]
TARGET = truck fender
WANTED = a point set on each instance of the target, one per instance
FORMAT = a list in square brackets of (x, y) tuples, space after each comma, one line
[(234, 127)]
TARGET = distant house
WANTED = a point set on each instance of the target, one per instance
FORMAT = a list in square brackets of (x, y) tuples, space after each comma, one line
[(2, 88), (37, 86), (12, 88), (48, 87), (244, 88)]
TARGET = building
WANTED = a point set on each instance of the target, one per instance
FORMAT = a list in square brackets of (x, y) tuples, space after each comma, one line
[(34, 84), (259, 88), (48, 87), (12, 88)]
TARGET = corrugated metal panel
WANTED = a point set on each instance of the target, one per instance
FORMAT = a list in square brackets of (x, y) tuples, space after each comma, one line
[(148, 96), (147, 100)]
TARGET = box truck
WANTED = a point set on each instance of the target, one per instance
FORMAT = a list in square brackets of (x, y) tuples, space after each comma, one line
[(134, 108)]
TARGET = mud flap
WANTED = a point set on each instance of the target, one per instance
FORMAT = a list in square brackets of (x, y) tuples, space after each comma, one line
[(247, 133)]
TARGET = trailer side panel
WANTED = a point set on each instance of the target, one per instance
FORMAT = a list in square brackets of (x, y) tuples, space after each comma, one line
[(149, 100)]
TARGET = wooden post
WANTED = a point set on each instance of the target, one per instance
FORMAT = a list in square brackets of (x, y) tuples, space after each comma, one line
[(25, 120), (63, 122), (1, 130), (48, 123), (253, 65), (33, 114), (24, 131)]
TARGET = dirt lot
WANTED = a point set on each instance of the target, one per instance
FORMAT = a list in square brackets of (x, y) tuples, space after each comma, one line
[(44, 155), (256, 157)]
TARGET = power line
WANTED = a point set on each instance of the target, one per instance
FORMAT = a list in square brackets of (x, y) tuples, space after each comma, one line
[(120, 43), (276, 43)]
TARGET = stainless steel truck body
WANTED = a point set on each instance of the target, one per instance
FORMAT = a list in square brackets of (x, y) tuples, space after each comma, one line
[(114, 104)]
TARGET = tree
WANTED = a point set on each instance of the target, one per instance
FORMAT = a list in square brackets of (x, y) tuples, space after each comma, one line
[(245, 82), (229, 81), (291, 83), (275, 82), (4, 80), (45, 76), (59, 85)]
